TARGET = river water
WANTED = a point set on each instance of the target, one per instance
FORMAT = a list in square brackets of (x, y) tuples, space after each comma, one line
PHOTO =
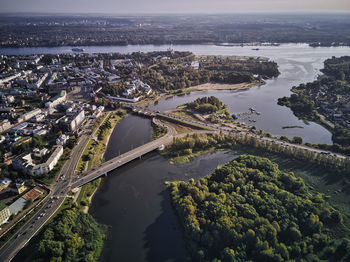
[(298, 63), (134, 203)]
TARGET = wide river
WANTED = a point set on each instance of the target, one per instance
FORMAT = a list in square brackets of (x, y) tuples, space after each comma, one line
[(298, 63), (133, 200)]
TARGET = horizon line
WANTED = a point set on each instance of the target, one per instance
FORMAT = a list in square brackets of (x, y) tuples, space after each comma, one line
[(296, 12)]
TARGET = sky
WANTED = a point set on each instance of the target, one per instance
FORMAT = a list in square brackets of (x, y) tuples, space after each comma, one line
[(173, 6)]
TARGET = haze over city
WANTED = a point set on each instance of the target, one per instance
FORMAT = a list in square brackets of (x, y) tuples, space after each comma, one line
[(180, 6)]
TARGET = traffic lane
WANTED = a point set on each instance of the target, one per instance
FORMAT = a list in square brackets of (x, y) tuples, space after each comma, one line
[(25, 233), (35, 223), (101, 169)]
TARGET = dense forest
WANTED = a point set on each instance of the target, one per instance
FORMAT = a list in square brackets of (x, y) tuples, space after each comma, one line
[(249, 210), (328, 96), (72, 236)]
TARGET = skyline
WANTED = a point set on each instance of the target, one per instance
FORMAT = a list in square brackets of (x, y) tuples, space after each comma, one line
[(178, 7)]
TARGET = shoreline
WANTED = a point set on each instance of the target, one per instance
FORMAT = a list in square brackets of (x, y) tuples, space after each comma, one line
[(200, 88), (86, 208), (105, 142), (218, 86)]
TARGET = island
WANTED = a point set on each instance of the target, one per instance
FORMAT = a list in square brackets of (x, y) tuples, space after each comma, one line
[(207, 108)]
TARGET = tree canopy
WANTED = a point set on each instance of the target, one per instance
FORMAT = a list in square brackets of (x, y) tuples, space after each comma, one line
[(73, 236), (249, 210)]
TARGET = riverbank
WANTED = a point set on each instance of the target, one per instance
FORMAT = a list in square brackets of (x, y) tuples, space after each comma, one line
[(95, 155), (217, 86), (86, 208)]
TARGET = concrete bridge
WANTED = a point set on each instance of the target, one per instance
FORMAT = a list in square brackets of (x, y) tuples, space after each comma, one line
[(123, 159)]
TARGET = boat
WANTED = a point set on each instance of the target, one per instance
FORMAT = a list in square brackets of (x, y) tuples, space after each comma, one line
[(75, 49), (256, 49)]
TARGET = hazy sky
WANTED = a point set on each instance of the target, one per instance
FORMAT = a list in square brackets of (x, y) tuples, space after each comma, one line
[(173, 6)]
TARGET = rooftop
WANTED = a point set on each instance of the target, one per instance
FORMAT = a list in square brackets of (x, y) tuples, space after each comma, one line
[(2, 206)]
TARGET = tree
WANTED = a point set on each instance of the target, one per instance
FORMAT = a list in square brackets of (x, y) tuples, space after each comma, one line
[(297, 140)]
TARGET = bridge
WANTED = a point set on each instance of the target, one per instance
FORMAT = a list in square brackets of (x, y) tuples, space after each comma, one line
[(123, 159)]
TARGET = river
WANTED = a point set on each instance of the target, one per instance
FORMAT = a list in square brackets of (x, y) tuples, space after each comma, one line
[(134, 203), (298, 63)]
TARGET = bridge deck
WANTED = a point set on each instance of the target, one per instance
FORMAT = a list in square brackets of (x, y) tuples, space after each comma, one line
[(119, 161)]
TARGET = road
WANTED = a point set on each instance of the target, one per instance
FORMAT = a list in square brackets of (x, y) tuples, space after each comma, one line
[(55, 198), (118, 161), (229, 130)]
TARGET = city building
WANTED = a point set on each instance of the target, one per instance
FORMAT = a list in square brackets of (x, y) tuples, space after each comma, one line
[(56, 100), (39, 82), (4, 213), (4, 183), (17, 206), (25, 162), (34, 193), (5, 125), (40, 153), (29, 115), (62, 140), (9, 78), (19, 188), (73, 119)]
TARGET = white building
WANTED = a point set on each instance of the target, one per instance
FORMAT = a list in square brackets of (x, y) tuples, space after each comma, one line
[(40, 153), (77, 120), (62, 140), (29, 115), (26, 163), (39, 82), (9, 78), (5, 125)]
